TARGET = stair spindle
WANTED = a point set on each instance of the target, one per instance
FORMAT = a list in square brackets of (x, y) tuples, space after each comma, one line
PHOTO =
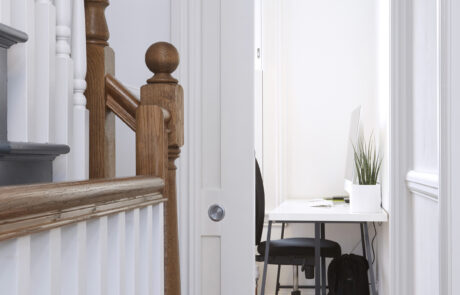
[(79, 154), (100, 62)]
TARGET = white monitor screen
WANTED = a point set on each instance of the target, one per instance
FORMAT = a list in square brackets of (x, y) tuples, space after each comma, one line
[(353, 135)]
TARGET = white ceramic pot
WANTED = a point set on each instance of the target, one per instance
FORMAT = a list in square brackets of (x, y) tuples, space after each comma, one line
[(365, 198)]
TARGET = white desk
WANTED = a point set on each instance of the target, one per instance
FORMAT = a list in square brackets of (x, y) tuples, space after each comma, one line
[(301, 211)]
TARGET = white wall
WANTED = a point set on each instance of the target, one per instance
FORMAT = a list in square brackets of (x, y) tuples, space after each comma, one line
[(330, 68), (383, 109), (320, 62), (321, 59), (134, 25)]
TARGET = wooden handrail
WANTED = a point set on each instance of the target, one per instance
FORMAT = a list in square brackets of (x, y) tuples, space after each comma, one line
[(158, 122), (121, 101), (32, 208)]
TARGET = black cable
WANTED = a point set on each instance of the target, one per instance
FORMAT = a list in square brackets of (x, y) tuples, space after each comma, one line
[(372, 243)]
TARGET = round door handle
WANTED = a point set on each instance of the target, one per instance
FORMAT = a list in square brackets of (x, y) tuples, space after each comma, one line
[(216, 213)]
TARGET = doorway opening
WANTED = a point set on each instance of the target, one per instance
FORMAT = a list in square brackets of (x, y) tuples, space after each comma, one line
[(316, 62)]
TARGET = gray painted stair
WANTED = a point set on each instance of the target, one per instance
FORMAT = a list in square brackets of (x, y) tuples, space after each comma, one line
[(21, 162)]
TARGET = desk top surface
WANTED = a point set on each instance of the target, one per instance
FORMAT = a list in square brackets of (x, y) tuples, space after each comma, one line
[(301, 210)]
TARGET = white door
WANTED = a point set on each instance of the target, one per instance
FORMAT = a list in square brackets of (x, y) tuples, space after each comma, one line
[(227, 148)]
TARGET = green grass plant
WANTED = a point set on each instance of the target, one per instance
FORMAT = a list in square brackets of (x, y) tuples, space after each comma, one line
[(367, 161)]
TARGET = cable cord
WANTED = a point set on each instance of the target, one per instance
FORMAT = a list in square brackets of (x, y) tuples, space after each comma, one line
[(372, 243)]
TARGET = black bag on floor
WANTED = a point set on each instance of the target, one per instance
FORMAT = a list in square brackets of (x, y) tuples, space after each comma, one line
[(347, 275)]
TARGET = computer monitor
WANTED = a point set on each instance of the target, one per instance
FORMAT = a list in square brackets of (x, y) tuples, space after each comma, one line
[(353, 135)]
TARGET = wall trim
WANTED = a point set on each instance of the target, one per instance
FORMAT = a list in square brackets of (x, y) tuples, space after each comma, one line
[(400, 83), (448, 130), (423, 184), (186, 37)]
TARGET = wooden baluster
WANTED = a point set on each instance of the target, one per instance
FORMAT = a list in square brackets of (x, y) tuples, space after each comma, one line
[(163, 91), (100, 58)]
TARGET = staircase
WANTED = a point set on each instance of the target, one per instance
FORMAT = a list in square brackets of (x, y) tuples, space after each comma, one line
[(21, 162), (104, 235)]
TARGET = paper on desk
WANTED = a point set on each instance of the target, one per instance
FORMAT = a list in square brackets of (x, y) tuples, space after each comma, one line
[(320, 203)]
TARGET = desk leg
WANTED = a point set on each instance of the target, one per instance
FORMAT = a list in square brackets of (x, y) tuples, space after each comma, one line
[(368, 252), (279, 266), (267, 248), (323, 262), (317, 259)]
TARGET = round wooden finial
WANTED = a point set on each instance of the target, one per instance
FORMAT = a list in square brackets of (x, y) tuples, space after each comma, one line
[(162, 59)]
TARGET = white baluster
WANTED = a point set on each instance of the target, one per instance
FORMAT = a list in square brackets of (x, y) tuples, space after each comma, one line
[(5, 12), (23, 265), (40, 267), (21, 73), (116, 259), (55, 261), (132, 251), (80, 114), (145, 273), (8, 260), (73, 251), (45, 48), (158, 249), (96, 259), (64, 87)]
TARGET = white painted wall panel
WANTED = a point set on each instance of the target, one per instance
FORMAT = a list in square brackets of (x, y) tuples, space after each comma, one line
[(425, 86), (455, 221), (210, 266), (425, 246), (424, 146)]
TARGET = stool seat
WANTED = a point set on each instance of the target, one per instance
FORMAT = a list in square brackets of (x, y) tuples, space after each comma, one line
[(300, 247)]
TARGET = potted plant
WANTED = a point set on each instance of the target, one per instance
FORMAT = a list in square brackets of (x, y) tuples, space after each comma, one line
[(365, 196)]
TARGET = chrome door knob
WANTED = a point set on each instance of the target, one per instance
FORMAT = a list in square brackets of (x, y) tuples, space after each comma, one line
[(216, 213)]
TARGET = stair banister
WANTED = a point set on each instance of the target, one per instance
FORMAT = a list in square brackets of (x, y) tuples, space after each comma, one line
[(157, 120), (162, 91)]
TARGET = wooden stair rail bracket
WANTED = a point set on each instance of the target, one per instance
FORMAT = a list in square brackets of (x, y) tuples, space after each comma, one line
[(163, 92), (100, 59)]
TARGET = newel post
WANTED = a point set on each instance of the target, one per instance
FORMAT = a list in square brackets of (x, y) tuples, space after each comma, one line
[(100, 59), (162, 104)]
